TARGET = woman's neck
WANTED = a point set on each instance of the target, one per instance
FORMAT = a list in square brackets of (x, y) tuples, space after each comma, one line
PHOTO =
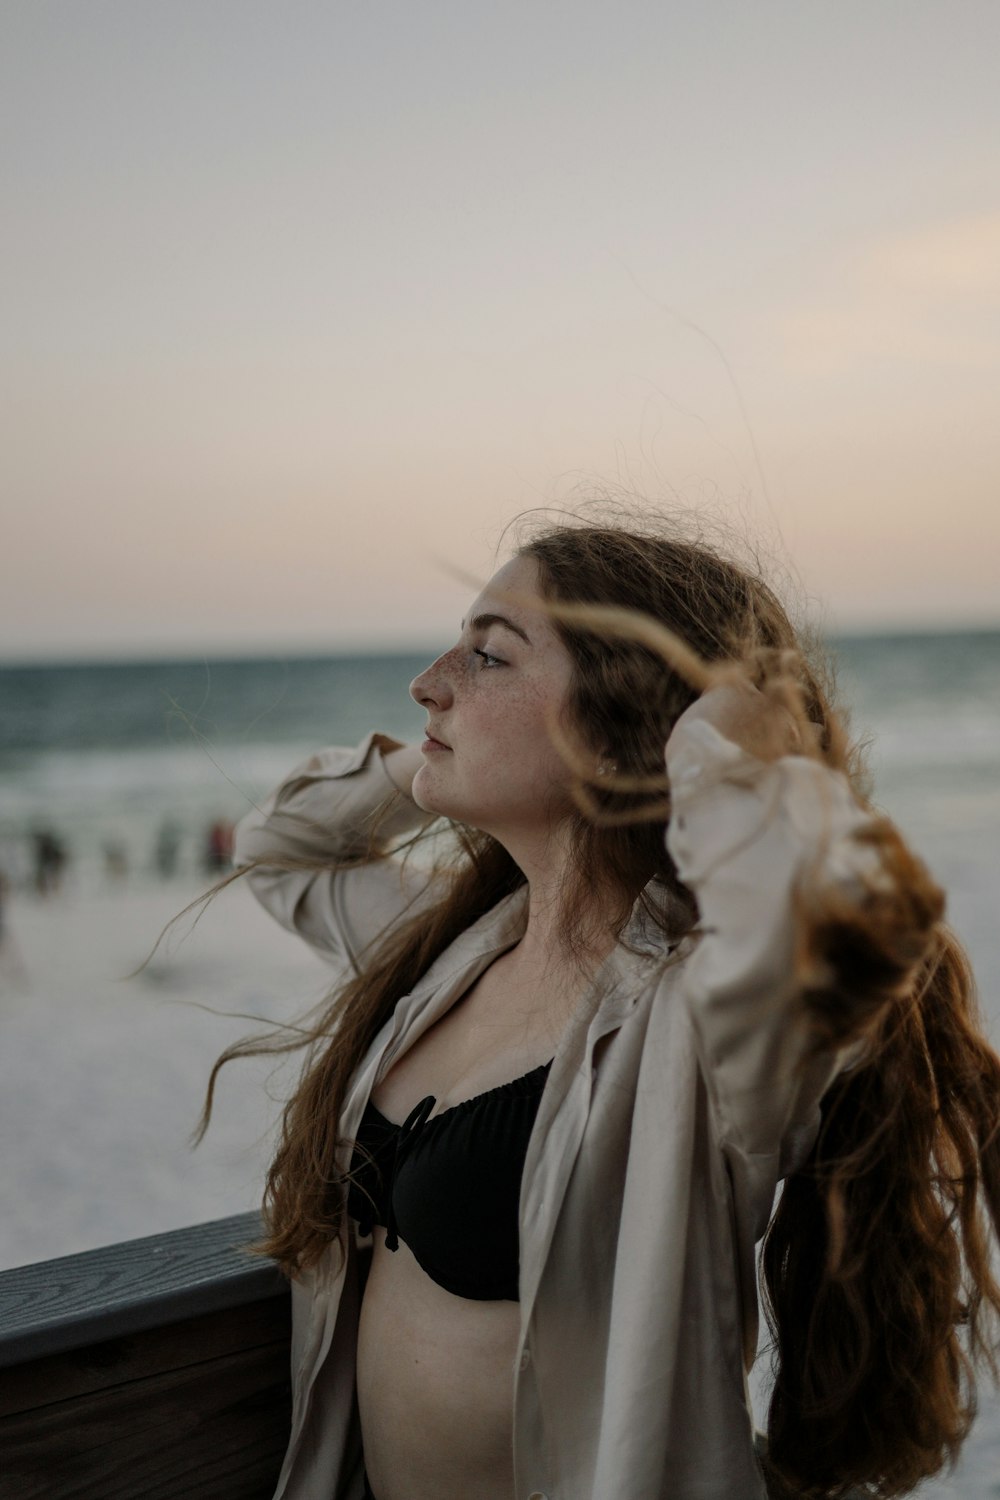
[(559, 936), (567, 927)]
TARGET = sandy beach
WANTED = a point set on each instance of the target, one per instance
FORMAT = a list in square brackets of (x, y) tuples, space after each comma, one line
[(101, 1079)]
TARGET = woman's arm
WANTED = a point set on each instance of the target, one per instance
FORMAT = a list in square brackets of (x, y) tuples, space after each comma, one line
[(768, 840), (317, 846)]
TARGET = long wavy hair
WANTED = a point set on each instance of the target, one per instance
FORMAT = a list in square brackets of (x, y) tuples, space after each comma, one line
[(876, 1263)]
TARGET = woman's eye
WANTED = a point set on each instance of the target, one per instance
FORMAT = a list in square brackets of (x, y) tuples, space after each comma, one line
[(487, 659)]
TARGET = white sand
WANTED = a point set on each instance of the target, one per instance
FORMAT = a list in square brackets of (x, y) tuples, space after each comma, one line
[(101, 1081)]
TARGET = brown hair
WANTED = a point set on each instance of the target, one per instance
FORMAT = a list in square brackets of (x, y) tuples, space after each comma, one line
[(878, 1285)]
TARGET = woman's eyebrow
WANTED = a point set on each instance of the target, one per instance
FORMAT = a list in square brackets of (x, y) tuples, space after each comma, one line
[(483, 622)]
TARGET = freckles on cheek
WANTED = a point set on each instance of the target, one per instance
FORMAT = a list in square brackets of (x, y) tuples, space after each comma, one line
[(532, 712)]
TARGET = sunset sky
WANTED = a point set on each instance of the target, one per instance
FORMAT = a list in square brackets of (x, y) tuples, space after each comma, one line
[(303, 301)]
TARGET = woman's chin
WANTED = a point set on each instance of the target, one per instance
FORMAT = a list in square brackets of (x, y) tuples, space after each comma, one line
[(422, 791), (432, 798)]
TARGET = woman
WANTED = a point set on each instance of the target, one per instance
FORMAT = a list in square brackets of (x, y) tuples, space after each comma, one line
[(542, 1122)]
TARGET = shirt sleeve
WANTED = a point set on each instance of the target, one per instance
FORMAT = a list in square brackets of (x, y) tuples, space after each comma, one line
[(336, 813), (750, 837)]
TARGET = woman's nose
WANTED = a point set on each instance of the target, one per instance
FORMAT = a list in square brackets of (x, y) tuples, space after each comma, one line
[(431, 688)]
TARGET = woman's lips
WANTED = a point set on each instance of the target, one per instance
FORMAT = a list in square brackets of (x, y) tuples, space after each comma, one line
[(430, 744)]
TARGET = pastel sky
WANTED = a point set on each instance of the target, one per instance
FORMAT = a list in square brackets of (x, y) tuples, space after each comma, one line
[(303, 301)]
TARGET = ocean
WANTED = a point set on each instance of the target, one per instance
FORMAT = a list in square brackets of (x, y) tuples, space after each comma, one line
[(103, 754), (112, 778)]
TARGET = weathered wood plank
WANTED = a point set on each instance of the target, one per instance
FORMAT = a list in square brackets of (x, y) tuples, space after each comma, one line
[(153, 1370), (105, 1366), (76, 1300), (212, 1426)]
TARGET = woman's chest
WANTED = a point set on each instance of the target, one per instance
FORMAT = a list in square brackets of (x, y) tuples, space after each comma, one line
[(507, 1024)]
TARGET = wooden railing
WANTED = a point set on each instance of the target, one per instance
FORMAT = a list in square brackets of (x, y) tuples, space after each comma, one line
[(146, 1371)]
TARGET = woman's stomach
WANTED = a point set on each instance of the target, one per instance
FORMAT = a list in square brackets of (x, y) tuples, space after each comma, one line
[(435, 1379)]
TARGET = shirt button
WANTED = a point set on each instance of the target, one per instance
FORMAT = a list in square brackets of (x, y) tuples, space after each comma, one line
[(525, 1358), (537, 1495)]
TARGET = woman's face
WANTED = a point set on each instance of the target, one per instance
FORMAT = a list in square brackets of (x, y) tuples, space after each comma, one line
[(489, 760)]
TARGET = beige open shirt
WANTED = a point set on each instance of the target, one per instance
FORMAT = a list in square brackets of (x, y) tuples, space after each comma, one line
[(675, 1103)]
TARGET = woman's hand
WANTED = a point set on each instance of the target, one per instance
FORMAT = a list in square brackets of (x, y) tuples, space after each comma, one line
[(749, 718)]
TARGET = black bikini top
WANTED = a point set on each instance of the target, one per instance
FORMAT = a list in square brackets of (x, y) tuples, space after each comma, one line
[(450, 1186)]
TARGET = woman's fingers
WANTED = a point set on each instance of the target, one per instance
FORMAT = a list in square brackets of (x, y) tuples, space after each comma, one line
[(755, 721)]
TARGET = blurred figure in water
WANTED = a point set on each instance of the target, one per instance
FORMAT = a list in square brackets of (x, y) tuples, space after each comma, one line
[(115, 861), (50, 859), (168, 842), (12, 971), (219, 846)]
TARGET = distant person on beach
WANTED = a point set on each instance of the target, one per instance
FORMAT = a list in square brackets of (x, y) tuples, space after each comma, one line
[(661, 956), (13, 876), (218, 846), (50, 855), (12, 971), (167, 849), (115, 861)]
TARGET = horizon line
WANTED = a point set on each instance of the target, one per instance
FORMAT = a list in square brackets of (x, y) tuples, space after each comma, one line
[(153, 656)]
